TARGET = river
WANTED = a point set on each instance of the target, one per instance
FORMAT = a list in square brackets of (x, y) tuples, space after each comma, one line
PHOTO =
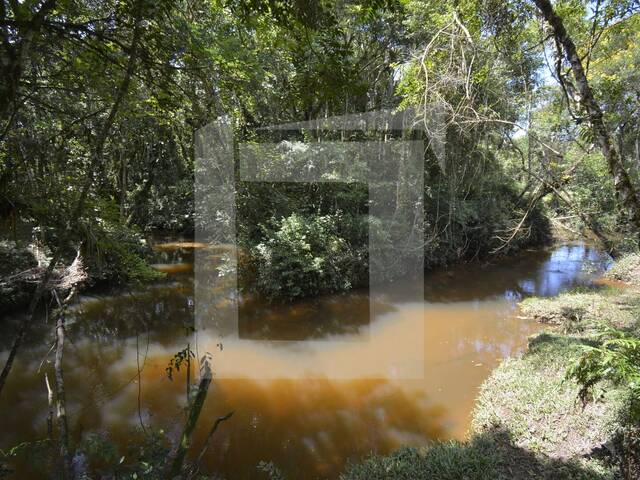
[(309, 383)]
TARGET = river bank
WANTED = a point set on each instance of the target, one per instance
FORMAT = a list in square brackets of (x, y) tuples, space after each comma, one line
[(528, 421), (324, 398)]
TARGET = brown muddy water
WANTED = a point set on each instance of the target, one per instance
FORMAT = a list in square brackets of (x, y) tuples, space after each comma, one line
[(310, 383)]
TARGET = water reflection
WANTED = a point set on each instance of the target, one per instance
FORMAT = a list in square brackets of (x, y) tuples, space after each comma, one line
[(540, 272), (297, 403), (344, 314)]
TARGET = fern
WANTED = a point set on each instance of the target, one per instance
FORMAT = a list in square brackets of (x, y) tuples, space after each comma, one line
[(616, 359)]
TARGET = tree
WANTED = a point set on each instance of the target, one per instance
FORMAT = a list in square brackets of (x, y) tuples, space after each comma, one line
[(625, 190)]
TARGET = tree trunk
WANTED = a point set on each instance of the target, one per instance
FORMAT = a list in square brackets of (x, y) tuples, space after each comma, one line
[(65, 453), (96, 158), (26, 323), (625, 191), (50, 413)]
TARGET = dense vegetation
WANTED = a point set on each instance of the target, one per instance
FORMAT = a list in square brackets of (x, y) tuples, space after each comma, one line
[(102, 105), (101, 102), (528, 111)]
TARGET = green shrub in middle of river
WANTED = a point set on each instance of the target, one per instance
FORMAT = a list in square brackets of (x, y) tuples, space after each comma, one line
[(308, 255)]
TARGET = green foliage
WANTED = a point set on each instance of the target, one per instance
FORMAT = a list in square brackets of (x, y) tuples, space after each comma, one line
[(114, 252), (120, 260), (181, 358), (145, 458), (14, 258), (272, 472), (616, 359), (444, 461), (307, 255), (38, 452), (478, 220)]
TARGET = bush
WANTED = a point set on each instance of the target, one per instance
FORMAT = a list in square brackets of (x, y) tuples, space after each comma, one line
[(616, 359), (309, 255), (121, 260), (478, 222), (114, 252)]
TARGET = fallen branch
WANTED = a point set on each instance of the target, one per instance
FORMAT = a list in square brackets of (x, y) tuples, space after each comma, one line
[(207, 443), (192, 420)]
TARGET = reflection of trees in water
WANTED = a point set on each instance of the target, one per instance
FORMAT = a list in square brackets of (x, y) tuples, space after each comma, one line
[(311, 427), (301, 425), (484, 343), (543, 273), (163, 312), (307, 319)]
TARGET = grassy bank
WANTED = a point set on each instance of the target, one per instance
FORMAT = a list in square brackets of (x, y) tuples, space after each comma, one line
[(529, 421)]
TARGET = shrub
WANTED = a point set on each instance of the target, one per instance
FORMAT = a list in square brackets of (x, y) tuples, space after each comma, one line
[(309, 255), (616, 359), (113, 251), (14, 259)]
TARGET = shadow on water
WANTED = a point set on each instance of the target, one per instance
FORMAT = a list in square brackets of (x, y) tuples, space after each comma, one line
[(309, 424)]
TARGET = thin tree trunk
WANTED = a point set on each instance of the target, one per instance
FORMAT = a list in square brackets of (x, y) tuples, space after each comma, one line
[(65, 453), (123, 184), (96, 158), (50, 406), (188, 372), (625, 190)]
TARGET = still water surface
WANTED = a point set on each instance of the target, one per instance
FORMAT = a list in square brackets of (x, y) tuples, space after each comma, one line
[(308, 423)]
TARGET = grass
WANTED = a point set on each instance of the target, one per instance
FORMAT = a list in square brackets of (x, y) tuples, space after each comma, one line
[(531, 398), (491, 455), (442, 460), (626, 269), (586, 312), (528, 421)]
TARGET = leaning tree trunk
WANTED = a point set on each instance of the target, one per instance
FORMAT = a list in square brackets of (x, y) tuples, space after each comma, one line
[(76, 216), (625, 191)]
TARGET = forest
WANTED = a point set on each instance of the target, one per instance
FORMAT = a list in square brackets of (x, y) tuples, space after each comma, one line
[(439, 152)]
